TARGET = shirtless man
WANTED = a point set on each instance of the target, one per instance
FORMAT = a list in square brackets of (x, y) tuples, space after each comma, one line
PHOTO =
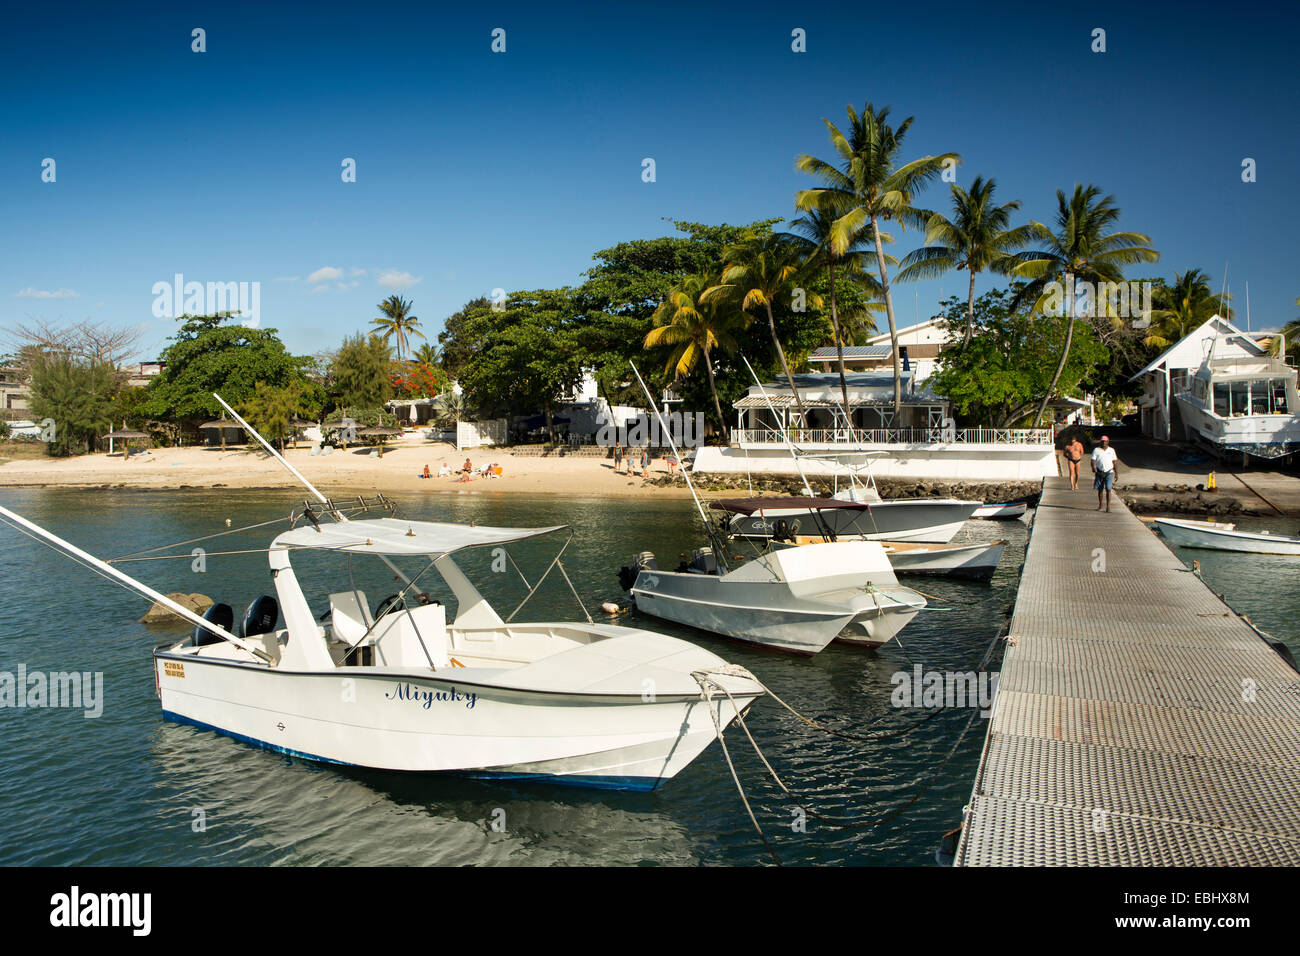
[(1074, 455)]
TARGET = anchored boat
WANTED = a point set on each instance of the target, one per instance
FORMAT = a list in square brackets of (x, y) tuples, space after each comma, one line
[(791, 599), (1215, 537), (1245, 406), (402, 687)]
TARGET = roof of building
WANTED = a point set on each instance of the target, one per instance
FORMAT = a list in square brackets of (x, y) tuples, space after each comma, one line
[(1224, 324), (830, 354)]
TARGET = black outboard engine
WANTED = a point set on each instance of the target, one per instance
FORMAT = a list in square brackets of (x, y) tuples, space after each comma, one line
[(785, 530), (223, 616), (261, 617), (645, 561)]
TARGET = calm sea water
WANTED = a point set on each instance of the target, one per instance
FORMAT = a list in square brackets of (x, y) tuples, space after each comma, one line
[(128, 788)]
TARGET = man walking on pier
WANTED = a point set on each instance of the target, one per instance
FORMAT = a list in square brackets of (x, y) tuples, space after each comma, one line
[(1104, 469)]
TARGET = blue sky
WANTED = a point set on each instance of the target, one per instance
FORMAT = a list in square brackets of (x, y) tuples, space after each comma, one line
[(478, 170)]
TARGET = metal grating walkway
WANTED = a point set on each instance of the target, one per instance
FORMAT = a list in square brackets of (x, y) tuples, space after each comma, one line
[(1138, 720)]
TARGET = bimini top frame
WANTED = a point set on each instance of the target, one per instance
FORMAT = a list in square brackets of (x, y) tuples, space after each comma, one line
[(394, 536)]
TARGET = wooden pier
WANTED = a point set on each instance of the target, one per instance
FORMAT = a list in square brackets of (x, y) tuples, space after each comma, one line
[(1138, 720)]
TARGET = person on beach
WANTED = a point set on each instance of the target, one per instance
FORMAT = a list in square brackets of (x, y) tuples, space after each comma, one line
[(427, 472), (1074, 455), (618, 458), (444, 470), (1104, 469), (468, 467), (645, 462)]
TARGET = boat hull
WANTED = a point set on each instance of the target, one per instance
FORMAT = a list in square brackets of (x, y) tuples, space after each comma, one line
[(1197, 535), (766, 613), (387, 719), (976, 561), (1000, 512)]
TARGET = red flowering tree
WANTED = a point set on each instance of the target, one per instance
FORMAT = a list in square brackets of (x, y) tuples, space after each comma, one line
[(416, 380)]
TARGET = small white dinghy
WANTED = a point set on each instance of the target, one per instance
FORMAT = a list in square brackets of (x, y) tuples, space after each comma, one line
[(1001, 512), (1206, 534)]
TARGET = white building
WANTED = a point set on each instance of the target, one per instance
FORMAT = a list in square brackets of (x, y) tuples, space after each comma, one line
[(919, 441), (918, 349), (1170, 371)]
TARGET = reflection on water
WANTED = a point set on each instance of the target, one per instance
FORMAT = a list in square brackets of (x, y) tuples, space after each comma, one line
[(124, 789)]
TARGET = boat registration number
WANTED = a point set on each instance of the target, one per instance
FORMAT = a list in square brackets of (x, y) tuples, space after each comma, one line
[(173, 669)]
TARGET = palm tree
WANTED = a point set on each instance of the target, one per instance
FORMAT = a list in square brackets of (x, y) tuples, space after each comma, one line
[(870, 187), (976, 238), (812, 233), (761, 270), (1287, 342), (397, 320), (694, 327), (1185, 306), (1082, 247), (427, 354)]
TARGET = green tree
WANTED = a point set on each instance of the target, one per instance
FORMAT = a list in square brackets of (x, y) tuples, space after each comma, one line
[(270, 408), (1183, 307), (976, 238), (996, 379), (1082, 247), (427, 354), (206, 356), (360, 372), (693, 327), (870, 186), (455, 343), (530, 355), (397, 322), (762, 270), (812, 232), (78, 393)]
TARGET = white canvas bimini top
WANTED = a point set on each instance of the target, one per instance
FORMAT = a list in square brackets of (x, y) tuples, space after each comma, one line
[(397, 536)]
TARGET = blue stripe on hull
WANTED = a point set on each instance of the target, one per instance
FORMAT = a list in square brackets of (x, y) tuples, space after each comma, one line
[(640, 784)]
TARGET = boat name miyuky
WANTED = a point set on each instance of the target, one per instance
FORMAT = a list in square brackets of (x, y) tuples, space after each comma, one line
[(407, 691)]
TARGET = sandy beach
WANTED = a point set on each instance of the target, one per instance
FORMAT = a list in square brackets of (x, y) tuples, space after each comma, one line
[(353, 469)]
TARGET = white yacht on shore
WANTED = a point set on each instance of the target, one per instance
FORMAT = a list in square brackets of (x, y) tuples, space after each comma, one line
[(1242, 406)]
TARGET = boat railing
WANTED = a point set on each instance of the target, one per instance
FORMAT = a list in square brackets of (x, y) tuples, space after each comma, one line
[(894, 436)]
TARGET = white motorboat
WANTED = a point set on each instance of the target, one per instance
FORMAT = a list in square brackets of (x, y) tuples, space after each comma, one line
[(402, 687), (791, 599), (1245, 406), (1202, 534), (935, 520), (1001, 512)]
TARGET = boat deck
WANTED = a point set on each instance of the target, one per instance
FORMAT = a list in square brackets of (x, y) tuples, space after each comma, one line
[(1138, 720)]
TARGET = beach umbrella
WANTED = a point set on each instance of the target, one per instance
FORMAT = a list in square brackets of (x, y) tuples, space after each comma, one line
[(296, 424), (223, 424), (381, 432), (125, 435)]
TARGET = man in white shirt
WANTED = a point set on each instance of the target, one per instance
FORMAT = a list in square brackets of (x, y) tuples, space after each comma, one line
[(1104, 470)]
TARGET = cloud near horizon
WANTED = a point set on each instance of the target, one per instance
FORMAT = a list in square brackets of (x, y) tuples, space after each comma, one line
[(397, 281)]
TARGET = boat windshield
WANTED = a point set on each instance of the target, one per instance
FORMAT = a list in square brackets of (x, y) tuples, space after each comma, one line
[(1255, 397)]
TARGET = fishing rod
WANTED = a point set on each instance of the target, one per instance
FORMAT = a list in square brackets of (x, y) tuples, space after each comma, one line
[(718, 547), (310, 487), (817, 515)]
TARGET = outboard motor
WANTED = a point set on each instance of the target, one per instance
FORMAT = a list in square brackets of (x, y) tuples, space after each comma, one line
[(645, 561), (704, 560), (261, 617), (785, 530), (223, 616)]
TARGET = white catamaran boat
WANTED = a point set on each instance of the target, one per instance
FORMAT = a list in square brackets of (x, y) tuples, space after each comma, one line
[(403, 688), (1242, 406), (1205, 534), (977, 561)]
